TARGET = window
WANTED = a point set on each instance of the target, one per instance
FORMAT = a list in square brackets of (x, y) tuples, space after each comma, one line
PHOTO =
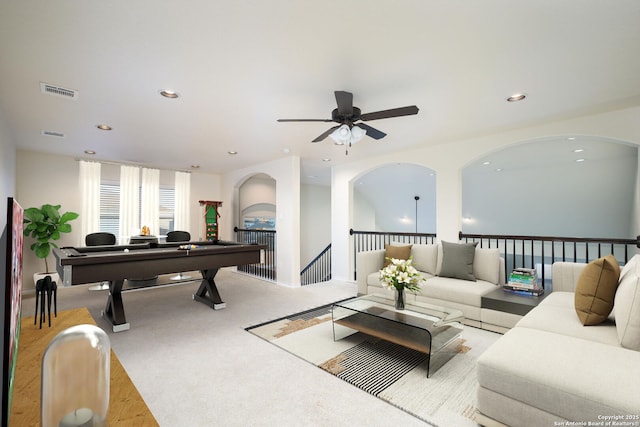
[(110, 208), (167, 204)]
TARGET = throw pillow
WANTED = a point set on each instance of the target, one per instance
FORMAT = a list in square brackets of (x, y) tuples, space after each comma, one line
[(457, 260), (627, 305), (486, 265), (425, 258), (395, 251), (596, 290)]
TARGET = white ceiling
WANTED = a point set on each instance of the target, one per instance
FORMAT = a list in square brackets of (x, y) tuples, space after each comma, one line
[(240, 65)]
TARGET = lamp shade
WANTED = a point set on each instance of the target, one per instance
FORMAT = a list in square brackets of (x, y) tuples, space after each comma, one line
[(347, 135)]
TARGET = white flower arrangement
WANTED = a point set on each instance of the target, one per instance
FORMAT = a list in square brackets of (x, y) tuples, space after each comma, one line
[(400, 274)]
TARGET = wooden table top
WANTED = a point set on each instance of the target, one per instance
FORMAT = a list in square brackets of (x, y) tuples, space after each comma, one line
[(126, 406)]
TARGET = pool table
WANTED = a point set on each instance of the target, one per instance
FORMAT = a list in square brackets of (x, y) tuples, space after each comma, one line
[(89, 264)]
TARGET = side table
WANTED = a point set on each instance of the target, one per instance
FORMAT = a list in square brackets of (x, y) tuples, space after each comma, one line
[(501, 310)]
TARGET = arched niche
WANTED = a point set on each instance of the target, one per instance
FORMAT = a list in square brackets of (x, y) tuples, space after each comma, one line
[(384, 199), (257, 202), (569, 186)]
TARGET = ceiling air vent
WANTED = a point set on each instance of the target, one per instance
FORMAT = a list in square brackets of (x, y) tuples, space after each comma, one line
[(53, 133), (54, 90)]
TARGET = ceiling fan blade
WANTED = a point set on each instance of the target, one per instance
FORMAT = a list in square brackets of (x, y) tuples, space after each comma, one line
[(394, 112), (305, 120), (372, 132), (345, 102), (326, 134)]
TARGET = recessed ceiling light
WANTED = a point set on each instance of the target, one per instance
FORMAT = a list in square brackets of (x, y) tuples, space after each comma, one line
[(104, 127), (578, 150), (326, 159), (169, 94), (579, 160), (195, 166), (499, 170), (516, 97), (233, 153), (89, 152), (486, 163), (571, 138)]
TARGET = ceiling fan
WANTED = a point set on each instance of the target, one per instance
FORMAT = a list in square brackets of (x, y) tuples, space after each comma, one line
[(348, 131)]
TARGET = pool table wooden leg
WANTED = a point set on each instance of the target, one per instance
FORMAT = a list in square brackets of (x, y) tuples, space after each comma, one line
[(208, 286), (114, 311)]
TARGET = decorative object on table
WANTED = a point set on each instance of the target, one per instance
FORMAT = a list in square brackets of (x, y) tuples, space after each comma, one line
[(401, 275), (46, 288), (523, 281), (145, 231), (75, 378), (45, 224)]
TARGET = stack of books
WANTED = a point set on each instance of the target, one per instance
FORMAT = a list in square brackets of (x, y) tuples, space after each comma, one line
[(524, 281)]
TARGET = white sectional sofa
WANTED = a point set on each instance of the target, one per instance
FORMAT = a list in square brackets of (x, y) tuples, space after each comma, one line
[(484, 274), (551, 370)]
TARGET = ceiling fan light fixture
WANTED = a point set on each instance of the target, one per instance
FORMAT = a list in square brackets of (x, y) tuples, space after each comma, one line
[(346, 135)]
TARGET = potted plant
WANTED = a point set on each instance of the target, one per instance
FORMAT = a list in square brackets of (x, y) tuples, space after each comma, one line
[(45, 225)]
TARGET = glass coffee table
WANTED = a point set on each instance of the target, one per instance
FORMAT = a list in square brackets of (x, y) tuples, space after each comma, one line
[(427, 328)]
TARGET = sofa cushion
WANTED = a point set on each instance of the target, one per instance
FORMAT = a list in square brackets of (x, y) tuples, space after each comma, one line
[(627, 305), (486, 265), (556, 313), (460, 291), (425, 258), (396, 251), (596, 290), (567, 376), (457, 260)]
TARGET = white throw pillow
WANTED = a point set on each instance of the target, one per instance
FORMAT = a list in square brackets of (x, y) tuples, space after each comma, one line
[(486, 265), (425, 258), (627, 305)]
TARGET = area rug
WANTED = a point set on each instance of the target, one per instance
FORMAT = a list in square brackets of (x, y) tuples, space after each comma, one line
[(388, 371)]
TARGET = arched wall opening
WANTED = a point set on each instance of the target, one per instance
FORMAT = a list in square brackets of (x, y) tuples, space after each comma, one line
[(257, 203), (398, 197), (569, 186)]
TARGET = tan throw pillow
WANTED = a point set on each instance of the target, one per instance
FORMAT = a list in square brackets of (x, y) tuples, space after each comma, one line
[(396, 251), (596, 290)]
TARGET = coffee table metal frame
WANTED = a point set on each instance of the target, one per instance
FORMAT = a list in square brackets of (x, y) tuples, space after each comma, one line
[(427, 328)]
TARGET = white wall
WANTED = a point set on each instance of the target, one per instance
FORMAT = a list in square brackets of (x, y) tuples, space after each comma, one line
[(45, 178), (7, 170), (315, 221), (448, 160), (286, 172)]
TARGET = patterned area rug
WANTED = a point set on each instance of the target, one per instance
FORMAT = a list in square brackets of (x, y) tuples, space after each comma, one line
[(393, 373)]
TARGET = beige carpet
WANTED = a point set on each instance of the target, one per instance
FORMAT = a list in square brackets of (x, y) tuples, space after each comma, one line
[(198, 367), (393, 373)]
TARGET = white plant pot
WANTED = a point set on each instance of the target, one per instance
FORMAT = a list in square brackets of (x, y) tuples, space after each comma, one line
[(54, 276)]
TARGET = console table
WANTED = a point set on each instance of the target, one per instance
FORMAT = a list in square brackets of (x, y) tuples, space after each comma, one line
[(126, 406)]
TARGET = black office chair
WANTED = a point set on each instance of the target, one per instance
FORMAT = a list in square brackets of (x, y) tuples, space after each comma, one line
[(179, 236), (100, 239)]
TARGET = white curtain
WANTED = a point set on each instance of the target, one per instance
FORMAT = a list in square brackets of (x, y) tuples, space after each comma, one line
[(182, 202), (90, 196), (150, 206), (129, 202)]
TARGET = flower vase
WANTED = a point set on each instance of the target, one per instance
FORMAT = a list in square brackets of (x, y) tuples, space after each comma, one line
[(400, 299)]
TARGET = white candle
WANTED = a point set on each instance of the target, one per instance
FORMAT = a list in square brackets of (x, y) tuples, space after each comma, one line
[(82, 417)]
